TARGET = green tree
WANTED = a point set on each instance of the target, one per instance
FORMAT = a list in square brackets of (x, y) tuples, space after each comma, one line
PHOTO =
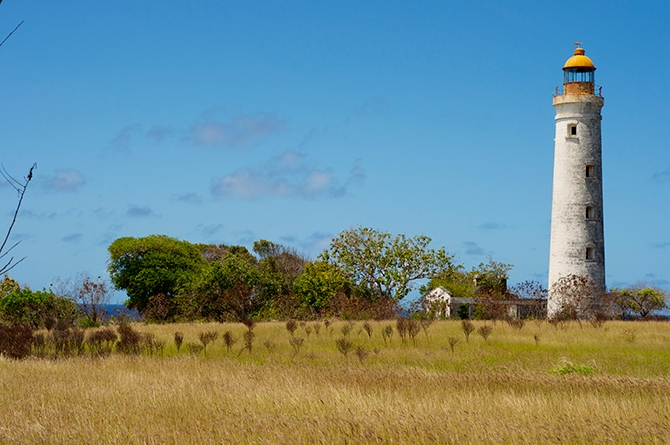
[(641, 299), (231, 290), (152, 266), (490, 278), (385, 265), (319, 284)]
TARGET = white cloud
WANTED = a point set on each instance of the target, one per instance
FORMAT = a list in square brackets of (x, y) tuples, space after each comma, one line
[(64, 180), (288, 175), (239, 131)]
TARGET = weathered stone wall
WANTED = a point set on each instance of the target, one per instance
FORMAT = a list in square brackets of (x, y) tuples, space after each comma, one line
[(572, 233)]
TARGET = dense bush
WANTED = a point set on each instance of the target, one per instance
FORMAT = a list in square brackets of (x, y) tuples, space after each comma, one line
[(35, 308), (15, 341)]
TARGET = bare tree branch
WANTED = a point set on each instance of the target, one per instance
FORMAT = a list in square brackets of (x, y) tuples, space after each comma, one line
[(10, 34), (20, 187)]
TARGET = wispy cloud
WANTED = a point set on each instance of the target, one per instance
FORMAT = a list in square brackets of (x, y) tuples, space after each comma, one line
[(318, 241), (661, 245), (124, 137), (288, 175), (492, 226), (653, 280), (64, 180), (160, 132), (472, 248), (190, 198), (110, 234), (663, 176), (41, 216), (241, 130), (74, 238), (140, 212), (209, 230), (103, 214), (245, 237), (375, 106)]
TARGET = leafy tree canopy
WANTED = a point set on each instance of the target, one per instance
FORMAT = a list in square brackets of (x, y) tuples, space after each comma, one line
[(386, 265), (640, 299), (152, 265), (319, 284)]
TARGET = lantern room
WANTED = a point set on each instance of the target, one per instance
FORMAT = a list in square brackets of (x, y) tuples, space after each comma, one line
[(579, 73)]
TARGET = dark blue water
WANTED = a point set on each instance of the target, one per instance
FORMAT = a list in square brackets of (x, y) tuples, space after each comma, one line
[(115, 310)]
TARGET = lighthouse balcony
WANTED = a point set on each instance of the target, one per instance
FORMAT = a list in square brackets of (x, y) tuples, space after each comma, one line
[(578, 89)]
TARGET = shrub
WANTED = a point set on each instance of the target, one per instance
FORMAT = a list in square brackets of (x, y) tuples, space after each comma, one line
[(33, 309), (15, 341), (567, 367), (68, 341), (101, 342), (130, 339)]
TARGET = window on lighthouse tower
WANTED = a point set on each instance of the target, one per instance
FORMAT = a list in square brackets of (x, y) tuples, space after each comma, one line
[(590, 171), (572, 130), (590, 254)]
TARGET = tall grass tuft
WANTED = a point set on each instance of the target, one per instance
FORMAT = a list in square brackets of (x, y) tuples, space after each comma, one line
[(229, 339), (368, 329), (387, 334), (206, 338), (178, 340), (485, 331), (402, 328), (453, 341), (468, 328), (249, 337), (344, 345), (361, 353), (291, 326), (296, 343)]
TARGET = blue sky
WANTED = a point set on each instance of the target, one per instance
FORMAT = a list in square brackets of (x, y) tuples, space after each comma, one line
[(232, 121)]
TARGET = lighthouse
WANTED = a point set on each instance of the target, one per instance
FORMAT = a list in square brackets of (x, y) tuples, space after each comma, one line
[(577, 245)]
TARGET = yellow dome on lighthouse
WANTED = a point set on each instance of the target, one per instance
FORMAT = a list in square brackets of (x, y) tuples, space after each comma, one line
[(579, 60)]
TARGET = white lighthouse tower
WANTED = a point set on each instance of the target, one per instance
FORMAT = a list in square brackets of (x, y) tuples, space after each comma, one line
[(577, 240)]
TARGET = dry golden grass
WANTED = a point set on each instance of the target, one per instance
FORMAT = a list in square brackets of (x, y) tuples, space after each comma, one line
[(498, 391)]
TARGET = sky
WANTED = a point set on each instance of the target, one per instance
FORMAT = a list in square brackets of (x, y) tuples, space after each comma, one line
[(292, 121)]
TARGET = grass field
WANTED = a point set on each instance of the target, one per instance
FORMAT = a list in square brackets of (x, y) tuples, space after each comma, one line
[(539, 384)]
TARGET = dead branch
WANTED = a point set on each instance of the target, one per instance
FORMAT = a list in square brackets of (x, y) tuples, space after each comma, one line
[(20, 187)]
